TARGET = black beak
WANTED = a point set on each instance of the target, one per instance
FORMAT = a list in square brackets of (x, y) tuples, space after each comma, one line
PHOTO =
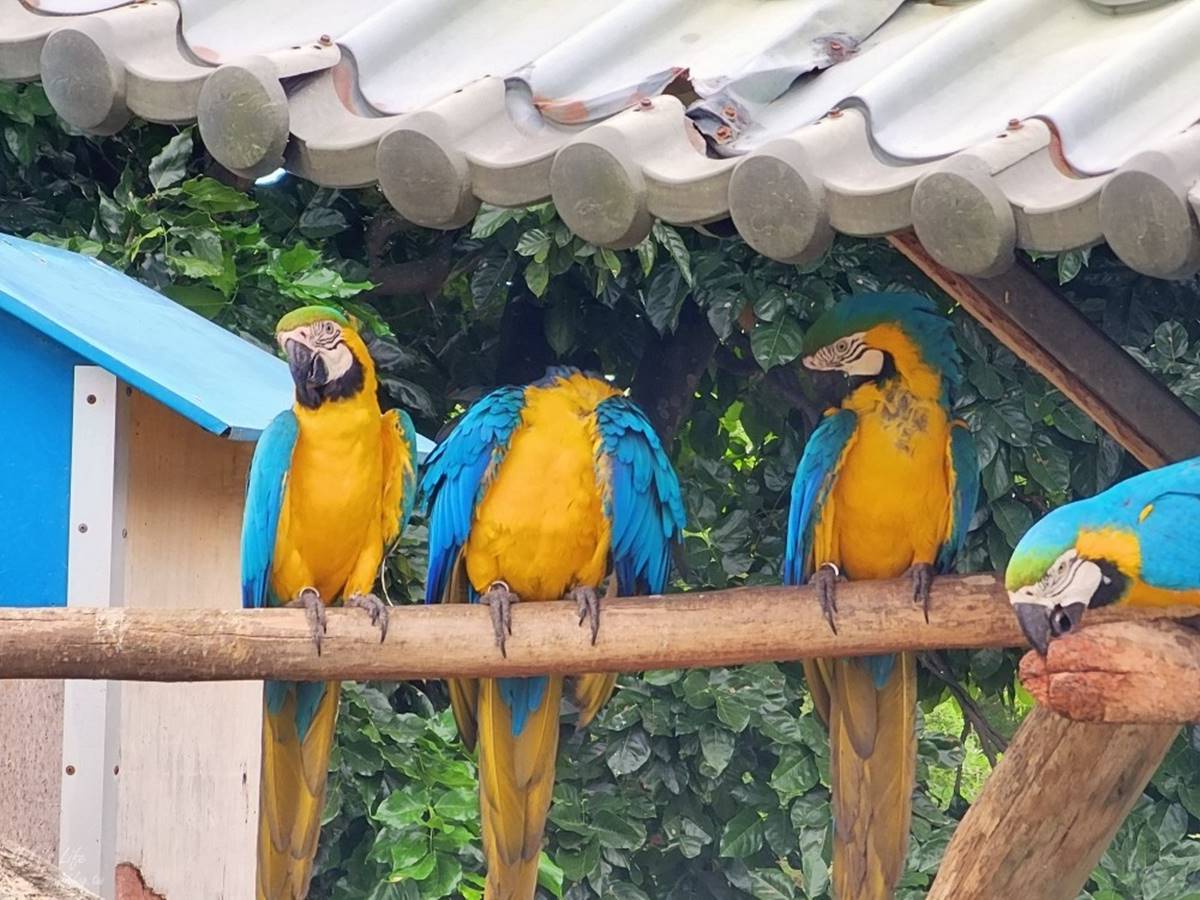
[(308, 372), (1041, 623), (300, 360)]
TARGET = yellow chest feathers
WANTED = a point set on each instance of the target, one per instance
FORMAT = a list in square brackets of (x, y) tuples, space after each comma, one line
[(541, 525), (892, 496)]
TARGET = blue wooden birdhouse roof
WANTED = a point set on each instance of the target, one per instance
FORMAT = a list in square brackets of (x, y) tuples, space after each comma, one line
[(221, 382)]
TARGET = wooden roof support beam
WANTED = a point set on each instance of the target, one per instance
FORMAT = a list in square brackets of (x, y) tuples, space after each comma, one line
[(718, 628), (1054, 339), (1060, 793), (1115, 673)]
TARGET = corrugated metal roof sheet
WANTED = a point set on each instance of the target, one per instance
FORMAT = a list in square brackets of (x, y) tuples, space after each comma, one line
[(152, 343), (985, 125)]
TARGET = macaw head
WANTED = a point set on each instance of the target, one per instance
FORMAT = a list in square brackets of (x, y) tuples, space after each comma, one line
[(1062, 567), (875, 336), (327, 357)]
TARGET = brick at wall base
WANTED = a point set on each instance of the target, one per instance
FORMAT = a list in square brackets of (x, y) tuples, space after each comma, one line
[(131, 885)]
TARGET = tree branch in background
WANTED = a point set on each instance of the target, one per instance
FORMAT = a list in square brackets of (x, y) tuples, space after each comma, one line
[(670, 371), (416, 277), (783, 381), (991, 742)]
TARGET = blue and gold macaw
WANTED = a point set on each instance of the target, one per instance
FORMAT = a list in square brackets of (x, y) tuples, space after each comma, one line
[(331, 486), (538, 494), (1134, 543), (887, 485)]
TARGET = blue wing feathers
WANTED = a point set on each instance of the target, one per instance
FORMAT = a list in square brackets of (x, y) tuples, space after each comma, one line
[(456, 473), (409, 434), (810, 489), (645, 503), (965, 463), (264, 499)]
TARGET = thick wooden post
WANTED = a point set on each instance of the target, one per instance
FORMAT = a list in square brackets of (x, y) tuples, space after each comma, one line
[(1050, 809), (1060, 793)]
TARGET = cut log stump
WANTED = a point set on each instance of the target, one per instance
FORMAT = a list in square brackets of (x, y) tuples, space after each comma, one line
[(1120, 673)]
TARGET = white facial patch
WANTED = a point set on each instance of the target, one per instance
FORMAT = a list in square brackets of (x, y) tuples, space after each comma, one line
[(848, 354), (323, 338), (1071, 579), (337, 361)]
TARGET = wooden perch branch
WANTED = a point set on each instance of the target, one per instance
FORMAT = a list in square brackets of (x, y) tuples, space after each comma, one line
[(683, 630), (1120, 673)]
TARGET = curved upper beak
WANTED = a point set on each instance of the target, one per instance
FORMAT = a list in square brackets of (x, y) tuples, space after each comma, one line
[(1041, 623), (302, 361)]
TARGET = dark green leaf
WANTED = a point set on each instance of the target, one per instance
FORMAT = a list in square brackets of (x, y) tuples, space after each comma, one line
[(402, 807), (743, 835), (771, 884), (1048, 464), (662, 297), (770, 304), (620, 833), (533, 242), (491, 219), (169, 167), (647, 250), (444, 878), (733, 711), (796, 774), (537, 277), (211, 196), (491, 282), (550, 876), (674, 245), (716, 744), (690, 835), (1171, 340), (777, 343), (1071, 263), (628, 752), (1013, 518)]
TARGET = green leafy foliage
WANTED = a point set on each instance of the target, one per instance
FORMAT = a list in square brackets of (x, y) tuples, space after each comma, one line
[(707, 784)]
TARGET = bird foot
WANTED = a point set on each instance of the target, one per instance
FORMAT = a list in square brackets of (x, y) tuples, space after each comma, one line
[(825, 580), (309, 599), (376, 609), (587, 599), (499, 598), (922, 579)]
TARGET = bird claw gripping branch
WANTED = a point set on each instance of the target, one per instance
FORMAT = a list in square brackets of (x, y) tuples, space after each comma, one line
[(922, 579), (314, 610), (588, 601), (499, 598), (825, 580), (375, 608)]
